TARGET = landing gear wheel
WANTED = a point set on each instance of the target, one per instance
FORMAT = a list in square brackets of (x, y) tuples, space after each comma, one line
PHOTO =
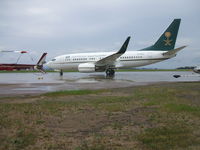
[(110, 72), (61, 73)]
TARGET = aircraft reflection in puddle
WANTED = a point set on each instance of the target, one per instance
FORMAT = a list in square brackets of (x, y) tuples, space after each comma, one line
[(89, 79)]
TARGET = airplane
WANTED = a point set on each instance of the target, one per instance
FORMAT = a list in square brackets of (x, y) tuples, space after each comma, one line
[(196, 69), (15, 66), (108, 62)]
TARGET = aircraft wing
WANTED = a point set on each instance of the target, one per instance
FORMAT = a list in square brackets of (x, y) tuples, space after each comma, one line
[(111, 58), (174, 51), (22, 52)]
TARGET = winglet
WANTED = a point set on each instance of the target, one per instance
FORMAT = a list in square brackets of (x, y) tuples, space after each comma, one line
[(124, 46)]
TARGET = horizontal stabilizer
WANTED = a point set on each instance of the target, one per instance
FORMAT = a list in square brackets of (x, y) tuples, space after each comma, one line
[(174, 51)]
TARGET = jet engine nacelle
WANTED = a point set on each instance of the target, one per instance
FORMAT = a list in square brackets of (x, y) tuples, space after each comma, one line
[(86, 67)]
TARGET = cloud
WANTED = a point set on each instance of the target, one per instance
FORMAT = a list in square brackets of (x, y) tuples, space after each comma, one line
[(68, 26)]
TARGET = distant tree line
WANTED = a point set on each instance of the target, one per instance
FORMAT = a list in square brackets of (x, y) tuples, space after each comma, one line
[(186, 67)]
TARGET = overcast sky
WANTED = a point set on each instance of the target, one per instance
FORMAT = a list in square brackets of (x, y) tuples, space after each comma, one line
[(68, 26)]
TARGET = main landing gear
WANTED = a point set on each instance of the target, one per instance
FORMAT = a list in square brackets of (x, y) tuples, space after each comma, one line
[(61, 73), (110, 72)]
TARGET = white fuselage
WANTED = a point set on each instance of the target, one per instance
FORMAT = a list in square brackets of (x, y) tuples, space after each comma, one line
[(127, 60)]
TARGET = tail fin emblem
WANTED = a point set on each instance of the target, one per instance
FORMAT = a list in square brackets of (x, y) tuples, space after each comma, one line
[(167, 41)]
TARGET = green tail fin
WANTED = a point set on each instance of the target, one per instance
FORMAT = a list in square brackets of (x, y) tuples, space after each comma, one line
[(167, 40)]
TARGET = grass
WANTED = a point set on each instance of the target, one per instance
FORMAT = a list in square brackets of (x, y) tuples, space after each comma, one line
[(23, 138), (168, 137), (147, 117), (180, 108), (73, 92)]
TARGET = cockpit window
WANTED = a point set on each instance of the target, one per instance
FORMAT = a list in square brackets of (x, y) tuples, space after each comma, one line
[(53, 59)]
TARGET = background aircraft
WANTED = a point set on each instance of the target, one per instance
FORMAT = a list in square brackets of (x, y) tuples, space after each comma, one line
[(109, 61), (22, 52), (15, 66), (196, 70)]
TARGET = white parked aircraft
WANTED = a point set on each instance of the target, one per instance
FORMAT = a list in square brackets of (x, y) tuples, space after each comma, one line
[(109, 61)]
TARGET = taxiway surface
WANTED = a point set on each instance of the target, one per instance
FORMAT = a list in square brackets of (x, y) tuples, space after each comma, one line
[(33, 83)]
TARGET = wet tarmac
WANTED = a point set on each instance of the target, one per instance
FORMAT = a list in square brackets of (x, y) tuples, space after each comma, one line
[(34, 83)]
